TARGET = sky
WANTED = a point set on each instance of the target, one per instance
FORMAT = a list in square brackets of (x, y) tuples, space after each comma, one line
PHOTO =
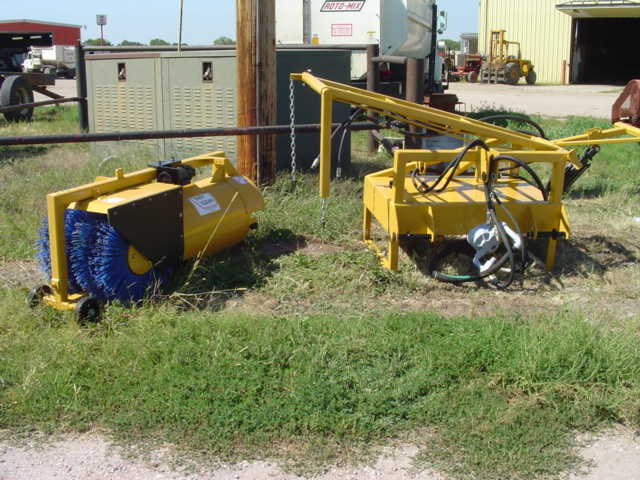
[(204, 20)]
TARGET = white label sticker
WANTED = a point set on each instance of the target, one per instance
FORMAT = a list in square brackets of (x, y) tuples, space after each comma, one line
[(342, 30), (113, 200), (240, 179), (205, 204)]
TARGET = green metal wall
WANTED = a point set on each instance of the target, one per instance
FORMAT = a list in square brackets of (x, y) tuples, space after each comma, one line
[(164, 91)]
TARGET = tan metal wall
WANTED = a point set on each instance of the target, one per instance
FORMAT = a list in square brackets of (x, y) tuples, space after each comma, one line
[(544, 33)]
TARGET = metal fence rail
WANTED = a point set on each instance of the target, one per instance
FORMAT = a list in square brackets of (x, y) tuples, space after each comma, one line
[(162, 134)]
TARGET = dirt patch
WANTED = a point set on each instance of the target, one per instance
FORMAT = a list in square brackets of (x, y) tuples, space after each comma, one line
[(314, 247), (19, 273)]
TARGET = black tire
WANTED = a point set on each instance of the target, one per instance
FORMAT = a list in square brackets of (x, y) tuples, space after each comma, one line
[(36, 294), (511, 73), (531, 77), (16, 90), (88, 310), (472, 77)]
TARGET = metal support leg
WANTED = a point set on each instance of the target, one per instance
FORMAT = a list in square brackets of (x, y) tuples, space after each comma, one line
[(393, 248), (366, 225), (551, 254)]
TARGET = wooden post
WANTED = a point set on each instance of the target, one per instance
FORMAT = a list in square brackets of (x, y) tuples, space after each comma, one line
[(256, 104), (267, 85), (246, 56)]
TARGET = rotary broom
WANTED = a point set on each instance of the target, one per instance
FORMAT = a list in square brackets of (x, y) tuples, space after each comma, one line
[(120, 237)]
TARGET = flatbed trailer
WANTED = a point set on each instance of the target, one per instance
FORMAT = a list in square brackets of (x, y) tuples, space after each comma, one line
[(16, 86)]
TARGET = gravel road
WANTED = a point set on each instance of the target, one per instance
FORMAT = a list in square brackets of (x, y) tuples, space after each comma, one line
[(613, 456), (548, 100)]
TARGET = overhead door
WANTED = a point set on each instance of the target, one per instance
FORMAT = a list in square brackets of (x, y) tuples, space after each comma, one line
[(604, 38)]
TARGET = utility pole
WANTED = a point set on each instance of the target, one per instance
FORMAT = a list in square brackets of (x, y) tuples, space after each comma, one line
[(180, 26), (256, 60)]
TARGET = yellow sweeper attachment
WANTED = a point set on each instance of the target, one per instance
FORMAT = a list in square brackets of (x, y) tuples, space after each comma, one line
[(488, 190), (119, 237)]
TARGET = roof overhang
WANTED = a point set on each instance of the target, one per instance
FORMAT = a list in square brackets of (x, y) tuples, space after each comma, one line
[(600, 9), (40, 22)]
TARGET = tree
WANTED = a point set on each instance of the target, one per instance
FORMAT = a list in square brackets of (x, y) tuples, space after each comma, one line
[(95, 42), (224, 41), (452, 44), (127, 43), (158, 42)]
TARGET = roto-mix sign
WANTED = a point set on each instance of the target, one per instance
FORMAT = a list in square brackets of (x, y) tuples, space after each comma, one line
[(342, 6)]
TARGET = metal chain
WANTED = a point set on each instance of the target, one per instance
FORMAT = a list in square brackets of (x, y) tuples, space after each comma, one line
[(323, 212), (292, 117)]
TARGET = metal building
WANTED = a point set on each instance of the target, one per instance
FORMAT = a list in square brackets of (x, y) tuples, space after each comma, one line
[(574, 41), (63, 34)]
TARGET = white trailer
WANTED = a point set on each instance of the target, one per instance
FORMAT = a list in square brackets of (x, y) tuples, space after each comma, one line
[(57, 60), (399, 27)]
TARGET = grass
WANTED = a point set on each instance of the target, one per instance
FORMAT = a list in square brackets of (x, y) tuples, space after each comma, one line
[(295, 343), (500, 396)]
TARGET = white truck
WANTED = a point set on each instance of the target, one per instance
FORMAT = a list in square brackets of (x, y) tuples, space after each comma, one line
[(399, 27), (57, 60)]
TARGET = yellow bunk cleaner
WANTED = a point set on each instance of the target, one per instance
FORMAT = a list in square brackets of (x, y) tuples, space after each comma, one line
[(482, 193), (119, 237)]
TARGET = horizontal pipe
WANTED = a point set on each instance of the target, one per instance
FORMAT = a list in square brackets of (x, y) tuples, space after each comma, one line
[(198, 48), (390, 59), (57, 101), (158, 134)]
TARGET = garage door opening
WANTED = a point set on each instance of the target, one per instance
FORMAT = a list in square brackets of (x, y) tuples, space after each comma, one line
[(604, 50)]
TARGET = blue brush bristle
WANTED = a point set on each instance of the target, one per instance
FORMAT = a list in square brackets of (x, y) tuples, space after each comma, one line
[(111, 268), (72, 218), (43, 254), (97, 259), (83, 246)]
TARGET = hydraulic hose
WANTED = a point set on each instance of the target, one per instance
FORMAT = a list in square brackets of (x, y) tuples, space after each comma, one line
[(509, 257), (448, 173), (520, 164), (494, 118)]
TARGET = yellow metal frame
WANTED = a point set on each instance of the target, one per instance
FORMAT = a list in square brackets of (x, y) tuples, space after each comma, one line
[(58, 202), (391, 198)]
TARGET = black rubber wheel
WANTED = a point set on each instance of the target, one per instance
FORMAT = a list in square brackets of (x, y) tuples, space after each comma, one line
[(36, 294), (472, 77), (531, 77), (88, 310), (16, 90), (511, 73)]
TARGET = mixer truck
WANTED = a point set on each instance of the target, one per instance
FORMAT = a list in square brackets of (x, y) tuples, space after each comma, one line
[(403, 28), (57, 60)]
